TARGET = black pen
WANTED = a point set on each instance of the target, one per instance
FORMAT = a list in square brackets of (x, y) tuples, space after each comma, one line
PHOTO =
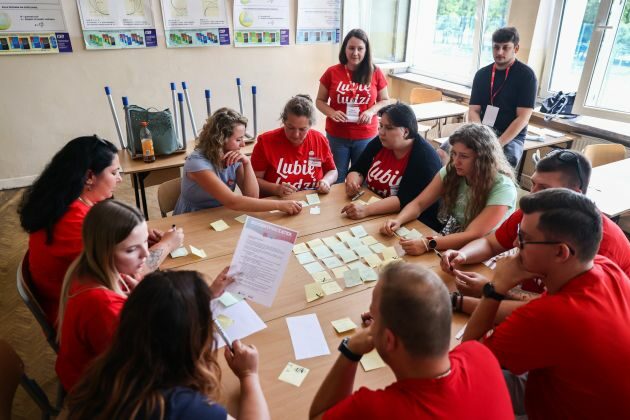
[(224, 335), (357, 196), (437, 253)]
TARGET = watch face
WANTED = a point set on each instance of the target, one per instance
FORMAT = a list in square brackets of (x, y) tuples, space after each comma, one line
[(432, 244)]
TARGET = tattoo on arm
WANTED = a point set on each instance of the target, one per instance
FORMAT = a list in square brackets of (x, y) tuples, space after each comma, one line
[(153, 260)]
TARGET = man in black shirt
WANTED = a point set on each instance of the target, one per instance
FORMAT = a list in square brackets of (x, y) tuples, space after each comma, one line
[(503, 94)]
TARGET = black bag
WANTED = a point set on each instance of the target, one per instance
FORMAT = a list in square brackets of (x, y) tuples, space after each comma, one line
[(558, 104), (161, 127)]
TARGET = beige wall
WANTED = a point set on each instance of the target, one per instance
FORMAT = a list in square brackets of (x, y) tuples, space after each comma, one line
[(48, 100)]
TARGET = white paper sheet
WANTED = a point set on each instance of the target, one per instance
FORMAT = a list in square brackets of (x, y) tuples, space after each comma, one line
[(260, 260), (307, 336), (246, 321)]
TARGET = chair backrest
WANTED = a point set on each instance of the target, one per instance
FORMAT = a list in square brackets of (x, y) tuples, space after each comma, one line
[(11, 368), (24, 287), (601, 154), (448, 129), (168, 193), (422, 95), (12, 374)]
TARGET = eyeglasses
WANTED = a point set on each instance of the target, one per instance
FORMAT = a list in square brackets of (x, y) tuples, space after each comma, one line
[(522, 243), (571, 157)]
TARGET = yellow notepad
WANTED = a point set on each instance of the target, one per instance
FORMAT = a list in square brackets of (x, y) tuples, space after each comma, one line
[(219, 225), (321, 277), (331, 287), (371, 361), (313, 291), (344, 324), (293, 374), (198, 252)]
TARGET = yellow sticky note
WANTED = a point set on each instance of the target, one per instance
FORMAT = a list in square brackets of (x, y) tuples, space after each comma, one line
[(293, 374), (179, 252), (373, 200), (321, 277), (313, 291), (345, 235), (241, 219), (219, 225), (314, 243), (312, 199), (371, 361), (225, 321), (363, 203), (300, 248), (373, 260), (331, 287), (330, 241), (198, 252), (390, 253), (338, 272), (369, 240), (344, 324)]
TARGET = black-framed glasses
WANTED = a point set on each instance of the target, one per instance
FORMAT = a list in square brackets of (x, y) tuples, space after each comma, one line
[(522, 243), (568, 156)]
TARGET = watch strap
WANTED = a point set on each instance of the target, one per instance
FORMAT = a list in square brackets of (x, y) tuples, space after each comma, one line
[(345, 350), (489, 292)]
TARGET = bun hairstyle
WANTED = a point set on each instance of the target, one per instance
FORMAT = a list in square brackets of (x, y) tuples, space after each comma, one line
[(301, 105)]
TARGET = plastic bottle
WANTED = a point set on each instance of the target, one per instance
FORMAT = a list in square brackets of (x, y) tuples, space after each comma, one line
[(146, 139)]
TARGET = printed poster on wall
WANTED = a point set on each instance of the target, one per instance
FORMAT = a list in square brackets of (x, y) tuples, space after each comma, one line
[(318, 22), (261, 23), (32, 27), (195, 23), (115, 24)]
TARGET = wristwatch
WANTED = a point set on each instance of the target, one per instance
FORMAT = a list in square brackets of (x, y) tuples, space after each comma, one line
[(345, 350), (489, 292), (432, 242)]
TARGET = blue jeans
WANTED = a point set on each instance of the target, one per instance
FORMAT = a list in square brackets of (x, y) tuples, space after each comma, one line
[(345, 152)]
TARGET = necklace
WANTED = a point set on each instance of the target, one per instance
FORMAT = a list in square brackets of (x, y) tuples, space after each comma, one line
[(86, 202), (443, 375)]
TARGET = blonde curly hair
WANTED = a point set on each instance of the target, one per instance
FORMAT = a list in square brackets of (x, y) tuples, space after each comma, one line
[(219, 127), (490, 162)]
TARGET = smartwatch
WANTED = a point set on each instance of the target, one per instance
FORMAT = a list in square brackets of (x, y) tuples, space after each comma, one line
[(489, 292), (432, 242), (345, 350)]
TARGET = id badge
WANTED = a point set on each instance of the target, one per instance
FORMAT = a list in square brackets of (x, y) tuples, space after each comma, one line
[(352, 113), (315, 162), (393, 190), (490, 116)]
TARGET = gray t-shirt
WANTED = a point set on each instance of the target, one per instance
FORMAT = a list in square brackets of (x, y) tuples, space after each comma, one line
[(192, 196)]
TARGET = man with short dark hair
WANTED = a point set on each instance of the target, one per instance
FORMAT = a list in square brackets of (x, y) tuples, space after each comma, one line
[(574, 341), (559, 169), (504, 93), (410, 327)]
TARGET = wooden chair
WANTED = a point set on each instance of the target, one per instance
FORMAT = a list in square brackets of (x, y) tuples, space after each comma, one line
[(12, 374), (422, 95), (25, 290), (601, 154), (168, 193)]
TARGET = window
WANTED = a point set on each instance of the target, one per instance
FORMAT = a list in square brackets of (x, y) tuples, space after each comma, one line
[(385, 22), (591, 55), (453, 38)]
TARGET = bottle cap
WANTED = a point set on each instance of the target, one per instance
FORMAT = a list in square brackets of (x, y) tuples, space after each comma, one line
[(144, 123)]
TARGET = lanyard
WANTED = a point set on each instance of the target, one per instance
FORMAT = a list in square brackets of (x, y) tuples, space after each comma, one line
[(353, 85), (494, 69)]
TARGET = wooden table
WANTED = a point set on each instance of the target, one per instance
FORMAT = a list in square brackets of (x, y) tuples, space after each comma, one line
[(274, 342), (161, 170), (438, 110), (198, 232), (609, 188)]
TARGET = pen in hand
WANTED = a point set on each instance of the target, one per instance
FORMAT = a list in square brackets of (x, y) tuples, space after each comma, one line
[(223, 335)]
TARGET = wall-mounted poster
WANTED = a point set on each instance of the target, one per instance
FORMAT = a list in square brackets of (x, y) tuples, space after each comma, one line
[(111, 24), (318, 21), (261, 23), (32, 27), (195, 23)]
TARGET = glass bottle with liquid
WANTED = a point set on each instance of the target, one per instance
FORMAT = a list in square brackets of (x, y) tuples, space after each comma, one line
[(148, 155)]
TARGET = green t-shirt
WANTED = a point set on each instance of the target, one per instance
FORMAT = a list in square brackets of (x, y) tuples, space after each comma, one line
[(503, 193)]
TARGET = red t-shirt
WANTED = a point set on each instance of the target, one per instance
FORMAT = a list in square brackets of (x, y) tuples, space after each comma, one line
[(475, 389), (341, 91), (614, 245), (302, 166), (386, 172), (575, 344), (48, 262), (90, 319)]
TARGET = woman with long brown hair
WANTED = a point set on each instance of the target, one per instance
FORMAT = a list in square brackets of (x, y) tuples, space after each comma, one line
[(477, 190), (97, 284), (162, 363), (216, 167)]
